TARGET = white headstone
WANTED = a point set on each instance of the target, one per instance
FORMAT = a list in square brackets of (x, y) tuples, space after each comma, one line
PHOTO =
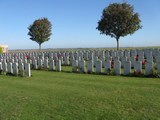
[(46, 63), (62, 59), (120, 54), (21, 69), (28, 70), (66, 60), (127, 67), (90, 66), (113, 54), (75, 65), (90, 56), (82, 66), (86, 56), (107, 66), (98, 66), (95, 59), (117, 67), (149, 68), (138, 66), (4, 67), (123, 60), (127, 53), (10, 69), (35, 64), (116, 59), (51, 65), (132, 59), (40, 64), (107, 54), (58, 65), (15, 69)]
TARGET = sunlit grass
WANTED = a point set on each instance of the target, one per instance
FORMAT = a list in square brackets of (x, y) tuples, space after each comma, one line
[(71, 96)]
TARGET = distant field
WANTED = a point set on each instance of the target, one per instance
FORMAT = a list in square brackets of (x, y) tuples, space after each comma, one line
[(74, 49), (72, 96)]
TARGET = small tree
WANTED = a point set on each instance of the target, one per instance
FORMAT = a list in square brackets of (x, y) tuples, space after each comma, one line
[(40, 31), (119, 20)]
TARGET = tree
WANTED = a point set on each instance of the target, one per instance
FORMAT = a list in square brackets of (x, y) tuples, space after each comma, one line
[(40, 31), (119, 20)]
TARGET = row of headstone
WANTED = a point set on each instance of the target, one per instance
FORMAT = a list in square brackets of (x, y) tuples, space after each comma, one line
[(149, 55), (88, 55), (51, 64), (15, 69), (67, 57), (81, 67)]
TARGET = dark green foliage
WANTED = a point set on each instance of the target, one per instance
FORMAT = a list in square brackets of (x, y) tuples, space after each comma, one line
[(40, 31), (119, 20)]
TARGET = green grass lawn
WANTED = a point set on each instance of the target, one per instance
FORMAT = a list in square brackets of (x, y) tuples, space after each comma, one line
[(71, 96)]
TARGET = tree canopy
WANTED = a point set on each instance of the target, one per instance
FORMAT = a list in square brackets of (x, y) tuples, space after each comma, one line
[(119, 20), (40, 31)]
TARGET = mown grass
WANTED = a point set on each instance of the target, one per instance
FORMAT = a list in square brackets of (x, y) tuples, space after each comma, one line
[(72, 96)]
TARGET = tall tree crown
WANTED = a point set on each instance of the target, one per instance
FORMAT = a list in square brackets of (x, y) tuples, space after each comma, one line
[(40, 30), (119, 20)]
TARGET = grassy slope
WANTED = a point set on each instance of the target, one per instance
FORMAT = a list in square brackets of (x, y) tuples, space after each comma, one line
[(69, 96)]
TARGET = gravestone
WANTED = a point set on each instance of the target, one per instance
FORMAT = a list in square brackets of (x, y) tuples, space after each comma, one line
[(35, 64), (75, 66), (116, 59), (62, 59), (21, 69), (127, 67), (138, 67), (149, 68), (82, 66), (98, 66), (107, 67), (66, 60), (86, 56), (46, 63), (95, 59), (132, 59), (58, 65), (117, 67), (127, 53), (10, 69), (90, 66), (15, 69), (40, 64), (113, 54), (27, 70), (123, 60), (107, 54), (51, 65), (4, 67), (90, 55)]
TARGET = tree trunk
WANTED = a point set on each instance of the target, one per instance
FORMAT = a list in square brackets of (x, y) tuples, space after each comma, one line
[(39, 47), (117, 39)]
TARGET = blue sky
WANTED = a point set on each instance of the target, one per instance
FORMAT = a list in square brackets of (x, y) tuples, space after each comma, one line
[(74, 23)]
